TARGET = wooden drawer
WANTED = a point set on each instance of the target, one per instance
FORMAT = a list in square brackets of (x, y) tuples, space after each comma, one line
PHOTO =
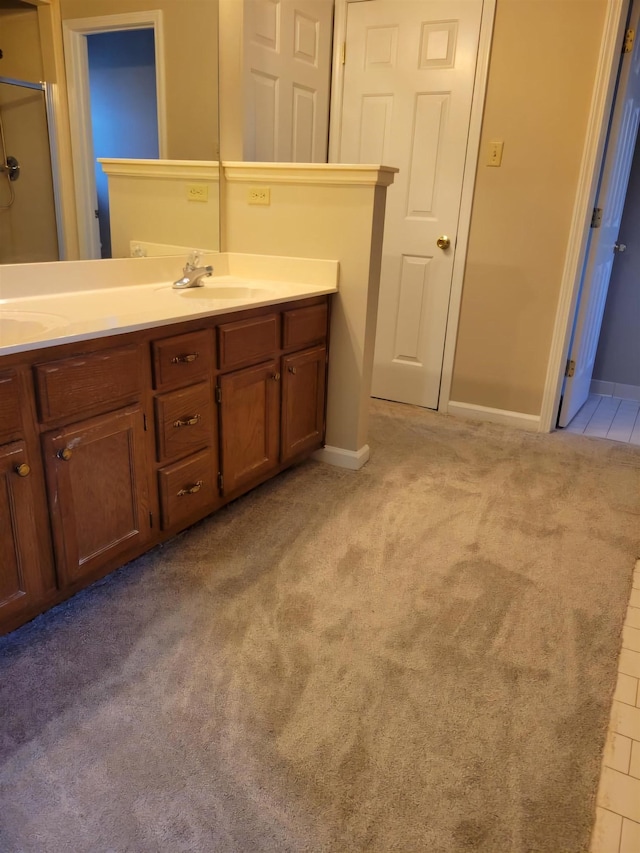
[(247, 342), (187, 488), (184, 421), (304, 326), (10, 420), (182, 359), (89, 382)]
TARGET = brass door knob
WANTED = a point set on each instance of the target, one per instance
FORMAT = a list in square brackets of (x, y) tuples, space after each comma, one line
[(65, 454), (23, 470), (443, 242)]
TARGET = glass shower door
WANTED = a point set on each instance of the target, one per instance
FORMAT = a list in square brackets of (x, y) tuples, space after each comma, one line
[(28, 229)]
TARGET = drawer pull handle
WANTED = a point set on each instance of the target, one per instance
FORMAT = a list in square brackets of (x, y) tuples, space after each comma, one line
[(65, 454), (275, 377), (182, 422), (23, 470), (187, 358), (190, 490), (293, 370)]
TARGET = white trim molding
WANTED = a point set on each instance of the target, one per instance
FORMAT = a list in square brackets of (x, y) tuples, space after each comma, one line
[(204, 170), (353, 460), (590, 168), (328, 174), (615, 389), (466, 201), (520, 420)]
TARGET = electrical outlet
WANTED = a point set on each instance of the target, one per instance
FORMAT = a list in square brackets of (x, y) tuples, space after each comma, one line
[(197, 192), (259, 195), (495, 154)]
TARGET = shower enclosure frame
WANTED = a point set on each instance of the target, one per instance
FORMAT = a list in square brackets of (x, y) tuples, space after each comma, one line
[(49, 99)]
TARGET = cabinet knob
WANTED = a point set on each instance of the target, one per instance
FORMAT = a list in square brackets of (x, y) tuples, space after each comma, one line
[(23, 470), (293, 370), (275, 377), (65, 454), (183, 422), (190, 490), (186, 358)]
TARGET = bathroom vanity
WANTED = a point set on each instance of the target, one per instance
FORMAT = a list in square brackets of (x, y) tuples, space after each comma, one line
[(114, 439)]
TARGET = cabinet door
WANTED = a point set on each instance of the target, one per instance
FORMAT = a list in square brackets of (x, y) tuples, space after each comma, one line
[(249, 424), (20, 551), (97, 492), (303, 384)]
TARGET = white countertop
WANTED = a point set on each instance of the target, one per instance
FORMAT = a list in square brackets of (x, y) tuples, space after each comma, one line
[(43, 305)]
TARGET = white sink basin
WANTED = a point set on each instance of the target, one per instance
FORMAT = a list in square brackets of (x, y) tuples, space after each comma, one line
[(18, 326)]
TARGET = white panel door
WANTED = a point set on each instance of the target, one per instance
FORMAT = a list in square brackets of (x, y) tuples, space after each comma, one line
[(408, 88), (287, 76), (601, 255)]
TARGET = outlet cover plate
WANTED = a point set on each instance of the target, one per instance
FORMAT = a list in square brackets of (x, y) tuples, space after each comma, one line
[(259, 195), (197, 192)]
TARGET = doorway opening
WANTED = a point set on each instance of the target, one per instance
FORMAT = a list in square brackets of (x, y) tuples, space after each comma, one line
[(124, 113), (601, 388), (612, 409), (115, 71)]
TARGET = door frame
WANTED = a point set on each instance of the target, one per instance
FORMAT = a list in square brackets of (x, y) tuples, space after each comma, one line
[(469, 175), (75, 32), (594, 152)]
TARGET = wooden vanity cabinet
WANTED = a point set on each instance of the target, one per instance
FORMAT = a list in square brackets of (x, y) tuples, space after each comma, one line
[(93, 447), (249, 425), (21, 577), (303, 402), (26, 570), (98, 494), (272, 412), (109, 447), (186, 426)]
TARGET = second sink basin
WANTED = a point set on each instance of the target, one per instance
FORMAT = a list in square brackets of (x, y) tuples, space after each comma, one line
[(21, 326)]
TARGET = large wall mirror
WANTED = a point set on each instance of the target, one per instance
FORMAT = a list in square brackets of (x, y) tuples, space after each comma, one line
[(148, 70), (140, 79)]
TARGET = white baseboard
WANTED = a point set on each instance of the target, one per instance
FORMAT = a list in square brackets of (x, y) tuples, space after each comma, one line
[(520, 420), (615, 389), (351, 459), (599, 386)]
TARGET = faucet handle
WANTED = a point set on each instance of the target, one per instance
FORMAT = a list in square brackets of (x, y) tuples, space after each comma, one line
[(193, 261)]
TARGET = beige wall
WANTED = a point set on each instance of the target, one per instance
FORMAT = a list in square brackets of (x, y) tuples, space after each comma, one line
[(22, 57), (191, 54), (541, 77), (155, 209)]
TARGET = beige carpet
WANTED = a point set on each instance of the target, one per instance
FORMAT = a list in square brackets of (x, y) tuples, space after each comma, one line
[(416, 657)]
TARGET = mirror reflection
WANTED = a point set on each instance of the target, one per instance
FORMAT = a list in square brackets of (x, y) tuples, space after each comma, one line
[(141, 81)]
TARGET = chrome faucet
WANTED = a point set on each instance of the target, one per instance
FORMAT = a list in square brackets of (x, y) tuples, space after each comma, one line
[(192, 275)]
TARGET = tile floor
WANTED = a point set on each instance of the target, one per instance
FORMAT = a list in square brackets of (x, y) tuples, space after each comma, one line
[(617, 825), (608, 417)]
